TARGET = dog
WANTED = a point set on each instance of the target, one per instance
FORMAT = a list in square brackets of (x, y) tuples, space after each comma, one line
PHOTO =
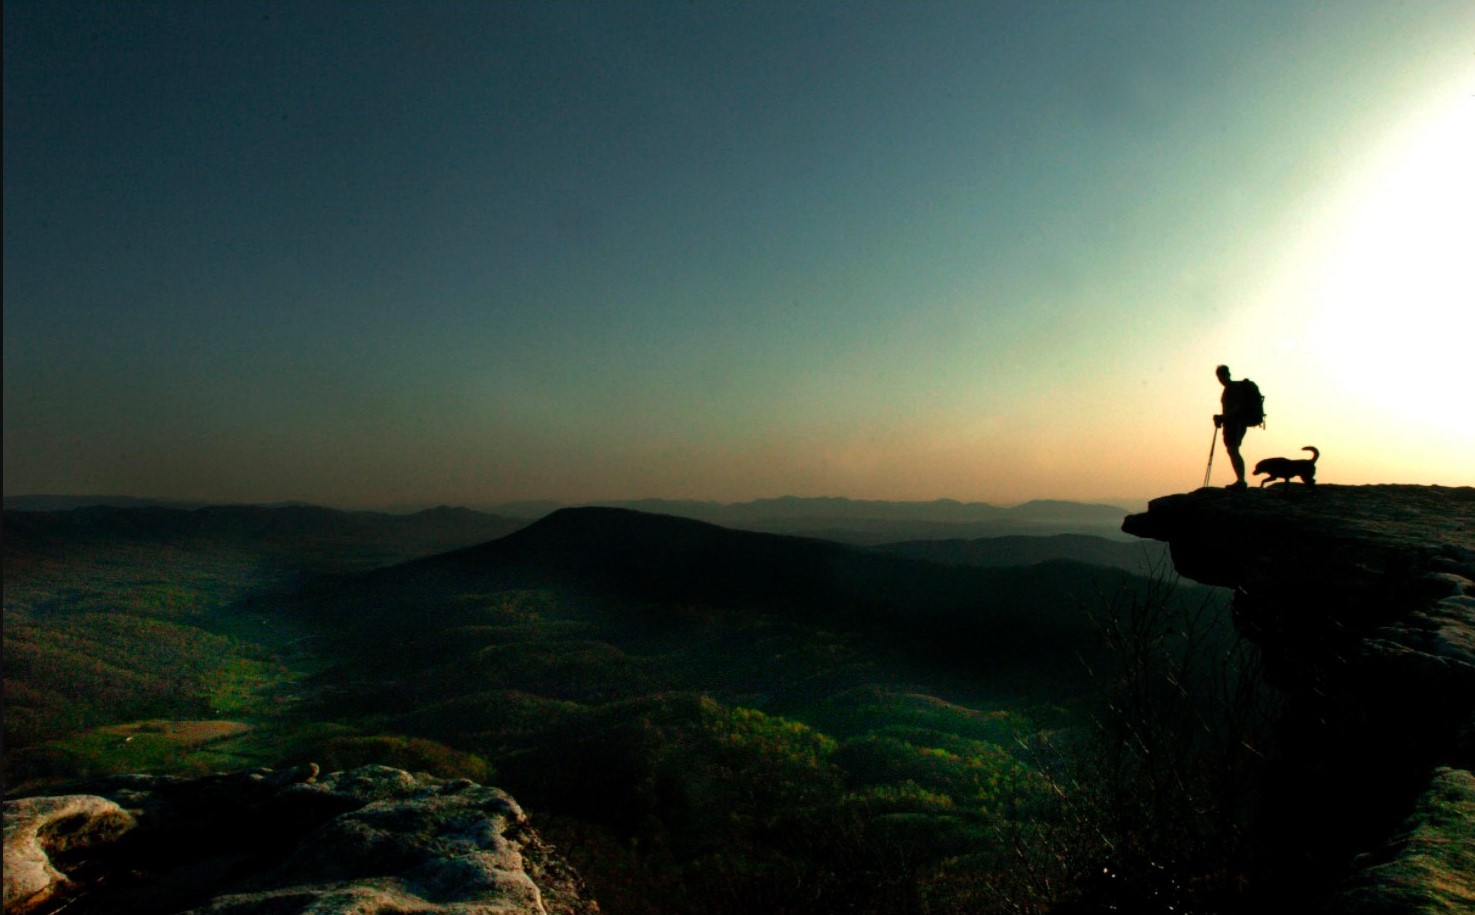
[(1280, 468)]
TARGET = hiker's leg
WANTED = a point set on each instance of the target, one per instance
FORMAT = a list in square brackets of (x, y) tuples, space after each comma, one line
[(1233, 435), (1237, 462)]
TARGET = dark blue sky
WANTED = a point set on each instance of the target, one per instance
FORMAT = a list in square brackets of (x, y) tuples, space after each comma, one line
[(375, 253)]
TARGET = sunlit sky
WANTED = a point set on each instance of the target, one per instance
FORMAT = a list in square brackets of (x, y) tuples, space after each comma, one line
[(397, 254)]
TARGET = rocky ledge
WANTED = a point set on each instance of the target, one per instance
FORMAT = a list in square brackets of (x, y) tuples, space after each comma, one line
[(371, 840), (1362, 601)]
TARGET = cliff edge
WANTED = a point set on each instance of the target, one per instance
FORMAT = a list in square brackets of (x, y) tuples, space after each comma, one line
[(1362, 601)]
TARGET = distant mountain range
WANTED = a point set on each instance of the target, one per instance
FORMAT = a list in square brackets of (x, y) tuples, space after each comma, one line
[(855, 521), (333, 540), (619, 557), (343, 540), (59, 503), (662, 556), (252, 520), (866, 521)]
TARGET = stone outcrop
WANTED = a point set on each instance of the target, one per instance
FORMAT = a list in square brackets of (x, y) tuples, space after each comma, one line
[(1362, 600), (370, 840), (42, 832)]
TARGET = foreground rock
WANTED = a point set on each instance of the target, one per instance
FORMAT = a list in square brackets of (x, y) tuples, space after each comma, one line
[(1362, 600), (40, 829), (371, 840)]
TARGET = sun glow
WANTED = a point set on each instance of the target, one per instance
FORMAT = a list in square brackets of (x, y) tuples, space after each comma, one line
[(1394, 315)]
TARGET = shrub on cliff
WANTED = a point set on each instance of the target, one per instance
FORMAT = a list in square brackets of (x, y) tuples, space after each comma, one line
[(1153, 803), (413, 754)]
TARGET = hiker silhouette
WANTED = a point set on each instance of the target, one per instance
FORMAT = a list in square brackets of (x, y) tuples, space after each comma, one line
[(1242, 408)]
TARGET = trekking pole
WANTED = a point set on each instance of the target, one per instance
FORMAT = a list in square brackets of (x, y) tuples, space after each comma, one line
[(1212, 442)]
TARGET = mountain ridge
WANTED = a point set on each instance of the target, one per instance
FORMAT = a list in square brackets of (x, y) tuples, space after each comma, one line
[(626, 560), (871, 522)]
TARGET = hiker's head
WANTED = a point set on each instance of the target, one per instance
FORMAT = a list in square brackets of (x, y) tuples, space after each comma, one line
[(1223, 373)]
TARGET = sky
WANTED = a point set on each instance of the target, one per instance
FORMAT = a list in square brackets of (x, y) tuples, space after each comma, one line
[(398, 254)]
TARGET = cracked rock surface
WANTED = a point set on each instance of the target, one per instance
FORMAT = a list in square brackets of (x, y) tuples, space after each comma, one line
[(265, 842)]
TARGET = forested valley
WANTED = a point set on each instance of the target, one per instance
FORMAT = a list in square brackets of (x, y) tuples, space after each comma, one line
[(701, 718)]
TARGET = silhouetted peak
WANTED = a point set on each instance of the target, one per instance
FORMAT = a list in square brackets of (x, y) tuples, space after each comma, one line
[(663, 556), (610, 527), (628, 535), (448, 512)]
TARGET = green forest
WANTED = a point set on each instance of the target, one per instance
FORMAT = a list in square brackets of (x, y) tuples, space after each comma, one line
[(700, 719)]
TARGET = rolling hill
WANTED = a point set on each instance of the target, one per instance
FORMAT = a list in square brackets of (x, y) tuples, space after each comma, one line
[(620, 558)]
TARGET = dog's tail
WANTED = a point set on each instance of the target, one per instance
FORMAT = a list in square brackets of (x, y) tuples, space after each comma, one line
[(1315, 454)]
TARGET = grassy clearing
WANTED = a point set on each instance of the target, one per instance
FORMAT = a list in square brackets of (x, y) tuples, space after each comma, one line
[(104, 635), (152, 745), (245, 686), (164, 746)]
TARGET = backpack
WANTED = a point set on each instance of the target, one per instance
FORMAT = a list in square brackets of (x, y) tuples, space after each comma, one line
[(1251, 403)]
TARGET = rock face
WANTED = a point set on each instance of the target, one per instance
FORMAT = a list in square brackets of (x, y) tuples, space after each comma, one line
[(371, 840), (40, 829), (1362, 600)]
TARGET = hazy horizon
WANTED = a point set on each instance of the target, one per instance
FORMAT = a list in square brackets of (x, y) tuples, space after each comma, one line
[(406, 254), (1125, 504)]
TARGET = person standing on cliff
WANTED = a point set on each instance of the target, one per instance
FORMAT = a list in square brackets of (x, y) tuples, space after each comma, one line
[(1241, 408)]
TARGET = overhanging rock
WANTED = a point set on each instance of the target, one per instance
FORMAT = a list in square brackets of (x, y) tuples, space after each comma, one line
[(1362, 600)]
